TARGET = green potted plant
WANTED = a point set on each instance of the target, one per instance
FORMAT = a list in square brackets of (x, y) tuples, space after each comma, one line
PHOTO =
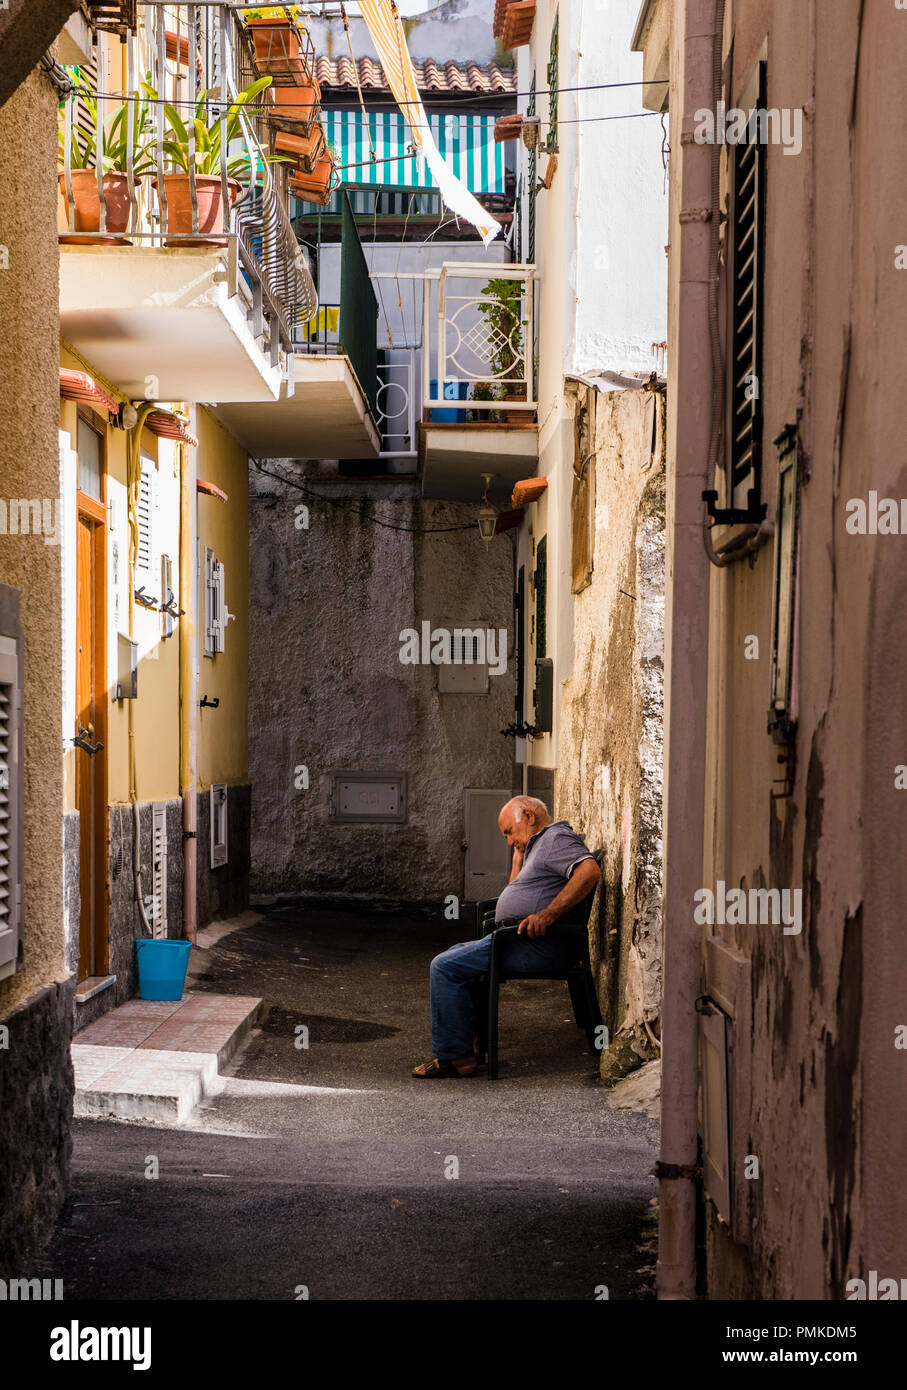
[(484, 391), (114, 162), (500, 306), (209, 159)]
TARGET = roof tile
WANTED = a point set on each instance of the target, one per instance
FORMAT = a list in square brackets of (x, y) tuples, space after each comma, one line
[(431, 76)]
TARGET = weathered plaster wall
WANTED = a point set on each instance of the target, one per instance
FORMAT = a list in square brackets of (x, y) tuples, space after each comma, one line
[(610, 748), (328, 691), (34, 1156), (822, 1072)]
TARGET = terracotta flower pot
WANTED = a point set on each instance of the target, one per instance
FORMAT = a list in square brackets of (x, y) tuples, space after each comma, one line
[(317, 186), (277, 47), (298, 103), (307, 148), (88, 205), (210, 198), (515, 417), (177, 44)]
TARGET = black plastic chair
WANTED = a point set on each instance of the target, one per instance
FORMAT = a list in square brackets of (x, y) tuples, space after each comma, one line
[(579, 979)]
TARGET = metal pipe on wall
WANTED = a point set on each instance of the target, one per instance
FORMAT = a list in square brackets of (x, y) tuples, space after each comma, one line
[(686, 650), (188, 593)]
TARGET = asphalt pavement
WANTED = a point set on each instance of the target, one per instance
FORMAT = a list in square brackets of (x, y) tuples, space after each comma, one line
[(324, 1171)]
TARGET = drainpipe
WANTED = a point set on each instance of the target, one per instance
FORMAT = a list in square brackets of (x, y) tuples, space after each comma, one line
[(687, 649), (189, 688), (133, 482)]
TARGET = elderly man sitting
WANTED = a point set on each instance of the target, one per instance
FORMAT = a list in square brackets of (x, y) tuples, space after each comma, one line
[(552, 871)]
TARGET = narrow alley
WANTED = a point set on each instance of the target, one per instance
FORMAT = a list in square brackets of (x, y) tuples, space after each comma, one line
[(329, 1167), (452, 715)]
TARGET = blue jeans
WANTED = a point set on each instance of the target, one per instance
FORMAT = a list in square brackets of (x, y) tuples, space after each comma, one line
[(456, 969)]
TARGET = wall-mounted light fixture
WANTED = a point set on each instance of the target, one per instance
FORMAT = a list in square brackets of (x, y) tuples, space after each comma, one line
[(488, 517)]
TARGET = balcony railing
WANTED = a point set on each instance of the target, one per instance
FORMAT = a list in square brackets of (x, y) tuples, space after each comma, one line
[(483, 337), (187, 67), (476, 356)]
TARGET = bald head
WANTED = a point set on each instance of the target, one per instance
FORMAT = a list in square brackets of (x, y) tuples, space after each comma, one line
[(521, 818)]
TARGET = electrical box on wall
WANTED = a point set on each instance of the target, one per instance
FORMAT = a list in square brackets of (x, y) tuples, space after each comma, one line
[(366, 796), (127, 687)]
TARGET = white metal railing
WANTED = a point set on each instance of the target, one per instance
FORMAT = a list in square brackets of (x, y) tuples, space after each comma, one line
[(483, 336), (186, 53), (395, 404), (478, 332)]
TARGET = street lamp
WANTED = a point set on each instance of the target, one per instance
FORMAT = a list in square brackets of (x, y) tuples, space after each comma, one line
[(488, 517)]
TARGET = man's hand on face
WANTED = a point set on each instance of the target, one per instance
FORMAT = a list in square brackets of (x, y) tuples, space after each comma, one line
[(536, 924)]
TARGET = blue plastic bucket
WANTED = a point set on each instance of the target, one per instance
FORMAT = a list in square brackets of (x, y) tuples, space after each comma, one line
[(162, 968), (453, 390)]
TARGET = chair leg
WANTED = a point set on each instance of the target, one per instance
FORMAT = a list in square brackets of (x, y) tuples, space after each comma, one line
[(593, 1012), (493, 988), (579, 999), (480, 1014)]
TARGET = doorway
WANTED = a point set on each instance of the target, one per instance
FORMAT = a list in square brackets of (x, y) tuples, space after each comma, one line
[(91, 696)]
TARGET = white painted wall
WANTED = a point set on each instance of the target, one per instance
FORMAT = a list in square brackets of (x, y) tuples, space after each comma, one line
[(621, 203)]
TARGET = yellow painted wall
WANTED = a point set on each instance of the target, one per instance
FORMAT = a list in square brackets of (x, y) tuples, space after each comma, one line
[(224, 526)]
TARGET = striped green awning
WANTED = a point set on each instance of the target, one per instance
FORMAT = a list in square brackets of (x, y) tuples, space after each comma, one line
[(466, 142)]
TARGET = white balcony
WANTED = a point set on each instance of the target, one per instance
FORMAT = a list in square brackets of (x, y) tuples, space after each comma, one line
[(476, 368), (196, 302), (166, 323), (326, 416)]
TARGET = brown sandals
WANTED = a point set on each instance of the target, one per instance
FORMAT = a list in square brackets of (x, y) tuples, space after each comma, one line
[(439, 1070)]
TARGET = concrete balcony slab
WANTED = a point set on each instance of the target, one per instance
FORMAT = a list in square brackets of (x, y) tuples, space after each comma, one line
[(159, 322)]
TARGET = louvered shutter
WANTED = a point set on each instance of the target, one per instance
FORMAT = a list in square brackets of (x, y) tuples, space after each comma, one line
[(145, 517), (12, 849), (747, 269), (218, 817), (158, 914)]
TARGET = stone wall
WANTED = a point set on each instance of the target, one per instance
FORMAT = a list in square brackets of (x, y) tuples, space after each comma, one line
[(610, 761), (35, 1071), (328, 691), (36, 1090)]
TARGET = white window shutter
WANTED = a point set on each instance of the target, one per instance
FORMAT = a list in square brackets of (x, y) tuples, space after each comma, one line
[(158, 915), (11, 810), (221, 606), (145, 517), (69, 472), (218, 818)]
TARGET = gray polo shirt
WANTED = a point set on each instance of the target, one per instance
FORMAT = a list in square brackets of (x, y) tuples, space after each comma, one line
[(551, 856)]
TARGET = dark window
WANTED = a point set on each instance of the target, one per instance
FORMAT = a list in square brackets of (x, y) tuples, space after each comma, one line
[(519, 620), (541, 597)]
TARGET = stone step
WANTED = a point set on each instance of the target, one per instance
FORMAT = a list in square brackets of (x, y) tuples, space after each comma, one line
[(155, 1061)]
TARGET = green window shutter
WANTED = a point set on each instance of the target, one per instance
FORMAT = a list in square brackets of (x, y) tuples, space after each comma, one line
[(541, 598), (530, 190), (553, 85)]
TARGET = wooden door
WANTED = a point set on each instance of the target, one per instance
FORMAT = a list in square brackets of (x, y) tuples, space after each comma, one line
[(91, 708)]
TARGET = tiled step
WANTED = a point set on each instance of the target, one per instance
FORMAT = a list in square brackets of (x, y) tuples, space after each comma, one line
[(155, 1061)]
